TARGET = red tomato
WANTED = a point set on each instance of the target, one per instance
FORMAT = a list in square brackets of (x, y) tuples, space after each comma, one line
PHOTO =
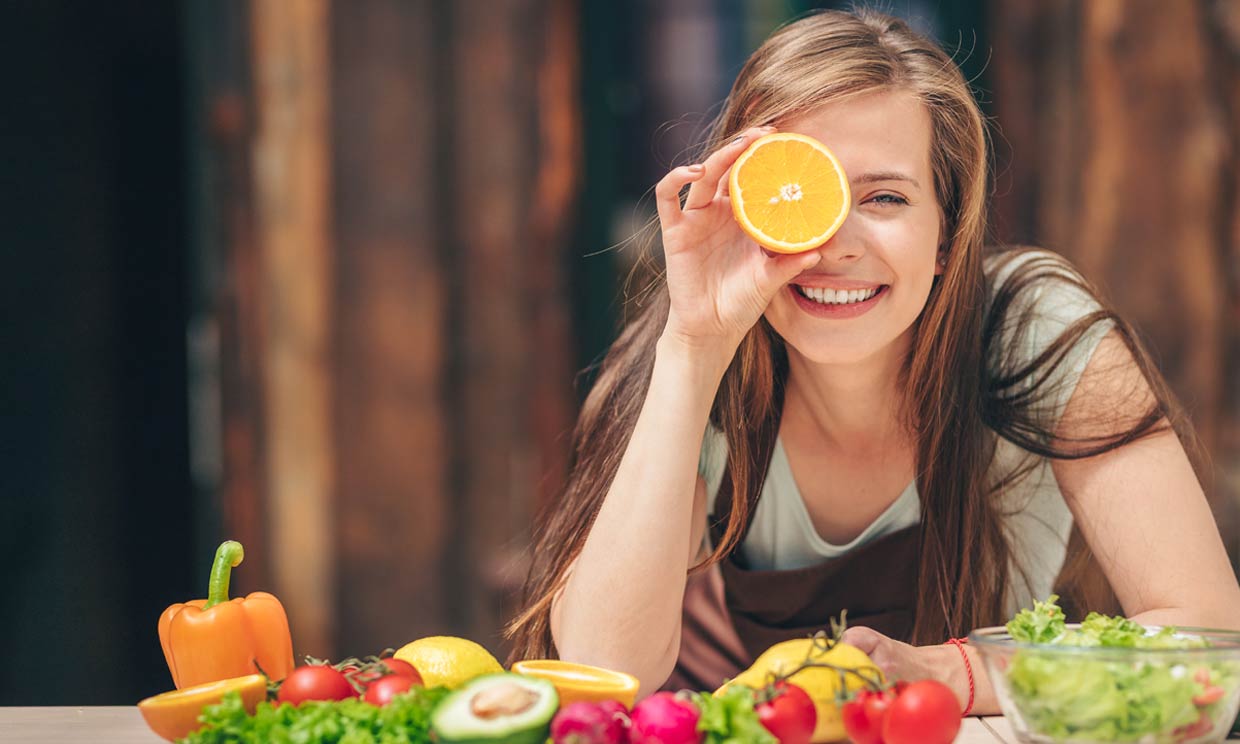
[(925, 712), (790, 716), (402, 668), (863, 715), (314, 683), (382, 691)]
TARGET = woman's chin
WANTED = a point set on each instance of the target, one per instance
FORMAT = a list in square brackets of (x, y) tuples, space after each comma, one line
[(831, 349)]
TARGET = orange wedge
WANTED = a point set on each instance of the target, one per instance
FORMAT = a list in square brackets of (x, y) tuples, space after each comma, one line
[(174, 715), (789, 192), (579, 682)]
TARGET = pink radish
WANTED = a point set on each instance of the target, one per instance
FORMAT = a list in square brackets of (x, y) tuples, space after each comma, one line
[(664, 718), (590, 723)]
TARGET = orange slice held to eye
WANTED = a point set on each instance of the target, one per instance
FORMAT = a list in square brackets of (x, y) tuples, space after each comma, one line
[(789, 192)]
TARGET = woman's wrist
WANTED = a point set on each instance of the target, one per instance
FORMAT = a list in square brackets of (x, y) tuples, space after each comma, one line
[(960, 668), (708, 358), (963, 679)]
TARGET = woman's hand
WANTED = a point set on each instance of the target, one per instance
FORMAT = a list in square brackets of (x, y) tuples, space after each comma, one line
[(719, 279), (943, 663)]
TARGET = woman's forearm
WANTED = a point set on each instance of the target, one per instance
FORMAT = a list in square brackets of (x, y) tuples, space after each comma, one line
[(1221, 616), (622, 603)]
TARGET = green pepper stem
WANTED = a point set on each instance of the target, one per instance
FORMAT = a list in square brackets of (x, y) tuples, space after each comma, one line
[(227, 556)]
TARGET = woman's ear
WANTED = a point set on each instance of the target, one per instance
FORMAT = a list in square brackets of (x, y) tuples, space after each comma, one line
[(940, 263)]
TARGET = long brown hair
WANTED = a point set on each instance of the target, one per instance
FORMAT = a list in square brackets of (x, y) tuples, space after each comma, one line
[(956, 404)]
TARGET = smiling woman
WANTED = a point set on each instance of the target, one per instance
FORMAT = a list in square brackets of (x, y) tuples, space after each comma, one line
[(896, 422)]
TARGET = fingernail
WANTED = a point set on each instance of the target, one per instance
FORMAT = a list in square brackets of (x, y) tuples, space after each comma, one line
[(696, 168), (738, 139)]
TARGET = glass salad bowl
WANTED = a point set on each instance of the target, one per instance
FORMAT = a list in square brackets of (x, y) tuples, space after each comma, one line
[(1149, 685)]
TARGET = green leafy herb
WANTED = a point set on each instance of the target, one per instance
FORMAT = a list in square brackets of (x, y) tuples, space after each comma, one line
[(405, 720), (730, 718)]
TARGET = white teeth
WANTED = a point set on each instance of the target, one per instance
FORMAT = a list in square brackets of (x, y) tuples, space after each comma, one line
[(837, 297)]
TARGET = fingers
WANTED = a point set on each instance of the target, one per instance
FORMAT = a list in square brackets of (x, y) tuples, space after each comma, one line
[(865, 639), (778, 269), (703, 191), (667, 192)]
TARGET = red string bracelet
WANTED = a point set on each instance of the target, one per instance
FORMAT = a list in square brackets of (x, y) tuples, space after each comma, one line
[(959, 643)]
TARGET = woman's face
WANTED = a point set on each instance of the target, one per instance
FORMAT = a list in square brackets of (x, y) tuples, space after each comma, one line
[(887, 246)]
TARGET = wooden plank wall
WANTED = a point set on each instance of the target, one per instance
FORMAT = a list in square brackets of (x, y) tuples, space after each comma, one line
[(228, 439), (393, 319), (393, 342), (290, 152), (1121, 150)]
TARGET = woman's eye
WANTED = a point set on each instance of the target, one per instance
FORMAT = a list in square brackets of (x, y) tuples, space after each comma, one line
[(889, 199)]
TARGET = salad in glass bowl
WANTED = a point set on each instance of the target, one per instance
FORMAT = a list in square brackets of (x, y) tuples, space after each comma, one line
[(1109, 679)]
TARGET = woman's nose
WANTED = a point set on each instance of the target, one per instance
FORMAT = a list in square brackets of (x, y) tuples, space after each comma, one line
[(846, 245)]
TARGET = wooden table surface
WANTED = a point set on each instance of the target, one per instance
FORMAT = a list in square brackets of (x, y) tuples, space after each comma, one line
[(113, 725)]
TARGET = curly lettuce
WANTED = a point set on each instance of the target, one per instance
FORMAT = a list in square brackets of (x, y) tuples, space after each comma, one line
[(404, 720)]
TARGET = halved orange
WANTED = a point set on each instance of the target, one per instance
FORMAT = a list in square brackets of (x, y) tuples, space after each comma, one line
[(789, 192), (581, 682), (173, 715)]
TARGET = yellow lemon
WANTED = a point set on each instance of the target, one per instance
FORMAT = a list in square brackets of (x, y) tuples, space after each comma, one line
[(448, 661), (819, 683), (174, 715)]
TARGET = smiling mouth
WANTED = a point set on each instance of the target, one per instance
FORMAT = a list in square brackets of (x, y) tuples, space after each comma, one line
[(838, 297)]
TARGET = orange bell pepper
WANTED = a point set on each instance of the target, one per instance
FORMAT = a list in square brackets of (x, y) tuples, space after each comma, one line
[(218, 638)]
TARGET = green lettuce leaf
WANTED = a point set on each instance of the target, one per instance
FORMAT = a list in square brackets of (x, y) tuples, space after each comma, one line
[(730, 718), (404, 720), (1043, 624)]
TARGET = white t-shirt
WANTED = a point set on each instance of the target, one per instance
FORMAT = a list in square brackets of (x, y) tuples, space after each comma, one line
[(782, 536)]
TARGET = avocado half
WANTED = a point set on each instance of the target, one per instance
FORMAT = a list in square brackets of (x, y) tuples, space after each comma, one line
[(504, 707)]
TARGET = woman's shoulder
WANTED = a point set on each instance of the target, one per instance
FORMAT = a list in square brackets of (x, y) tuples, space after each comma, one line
[(1031, 266), (1043, 321), (1036, 289)]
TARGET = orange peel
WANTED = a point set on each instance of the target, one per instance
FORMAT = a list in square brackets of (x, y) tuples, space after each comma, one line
[(174, 715)]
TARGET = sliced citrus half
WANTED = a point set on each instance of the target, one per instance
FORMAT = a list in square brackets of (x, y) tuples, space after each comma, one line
[(789, 192), (174, 715), (580, 682)]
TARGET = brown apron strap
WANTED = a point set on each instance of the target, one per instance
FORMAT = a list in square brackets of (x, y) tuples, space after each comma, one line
[(710, 650)]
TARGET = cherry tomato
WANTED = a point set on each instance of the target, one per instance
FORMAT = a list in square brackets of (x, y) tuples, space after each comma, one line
[(384, 689), (863, 715), (790, 716), (402, 668), (314, 683), (925, 712)]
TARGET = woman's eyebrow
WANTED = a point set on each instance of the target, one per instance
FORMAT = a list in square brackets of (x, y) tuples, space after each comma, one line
[(876, 176)]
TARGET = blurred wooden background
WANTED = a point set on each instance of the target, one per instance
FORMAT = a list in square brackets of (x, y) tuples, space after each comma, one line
[(320, 276), (394, 353)]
